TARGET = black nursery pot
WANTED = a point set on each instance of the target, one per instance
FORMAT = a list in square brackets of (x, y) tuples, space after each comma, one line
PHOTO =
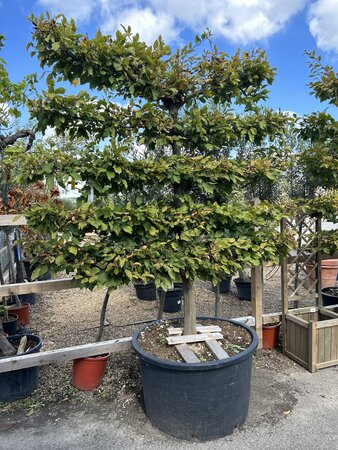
[(199, 401), (145, 291), (329, 299), (29, 268), (243, 289), (20, 383), (172, 300), (28, 298), (224, 285), (10, 326)]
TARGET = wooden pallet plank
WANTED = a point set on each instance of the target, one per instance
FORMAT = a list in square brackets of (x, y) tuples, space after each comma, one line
[(187, 354), (177, 331), (216, 349), (64, 354), (12, 220), (38, 287), (190, 338)]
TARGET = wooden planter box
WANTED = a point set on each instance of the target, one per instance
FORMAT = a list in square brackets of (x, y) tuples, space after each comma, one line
[(312, 337), (333, 308)]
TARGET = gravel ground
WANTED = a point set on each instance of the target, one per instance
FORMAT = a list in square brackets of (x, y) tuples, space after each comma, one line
[(71, 317)]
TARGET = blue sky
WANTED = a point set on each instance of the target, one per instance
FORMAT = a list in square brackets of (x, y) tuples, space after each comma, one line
[(284, 28)]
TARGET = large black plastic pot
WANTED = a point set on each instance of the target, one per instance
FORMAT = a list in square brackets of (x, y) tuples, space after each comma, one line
[(199, 401), (145, 291), (20, 383), (243, 289), (329, 299), (172, 300)]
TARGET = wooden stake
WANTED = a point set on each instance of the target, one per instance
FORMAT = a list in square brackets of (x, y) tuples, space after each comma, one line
[(22, 345), (257, 301)]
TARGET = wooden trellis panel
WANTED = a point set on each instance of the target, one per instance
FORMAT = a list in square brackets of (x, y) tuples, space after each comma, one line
[(297, 284)]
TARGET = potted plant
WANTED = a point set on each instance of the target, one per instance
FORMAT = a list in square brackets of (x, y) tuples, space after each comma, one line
[(145, 291), (9, 321), (88, 372), (243, 285), (182, 234), (17, 384)]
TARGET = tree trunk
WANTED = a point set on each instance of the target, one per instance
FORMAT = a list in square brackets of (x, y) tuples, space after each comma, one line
[(217, 300), (6, 348), (161, 305), (103, 316), (189, 305), (243, 275)]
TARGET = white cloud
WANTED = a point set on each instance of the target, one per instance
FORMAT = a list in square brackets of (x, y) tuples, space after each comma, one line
[(145, 22), (323, 23), (240, 21), (80, 10)]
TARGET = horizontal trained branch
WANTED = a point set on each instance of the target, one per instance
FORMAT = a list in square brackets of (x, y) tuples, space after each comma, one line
[(64, 354)]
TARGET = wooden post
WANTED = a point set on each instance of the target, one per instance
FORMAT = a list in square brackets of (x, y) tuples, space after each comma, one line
[(257, 301), (257, 295), (284, 289), (313, 349), (319, 265)]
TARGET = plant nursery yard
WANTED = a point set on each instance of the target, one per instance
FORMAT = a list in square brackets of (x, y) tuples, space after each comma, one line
[(58, 415)]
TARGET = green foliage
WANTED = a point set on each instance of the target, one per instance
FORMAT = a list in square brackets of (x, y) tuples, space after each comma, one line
[(169, 110)]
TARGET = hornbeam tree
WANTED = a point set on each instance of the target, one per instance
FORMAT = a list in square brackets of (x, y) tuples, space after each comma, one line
[(166, 97)]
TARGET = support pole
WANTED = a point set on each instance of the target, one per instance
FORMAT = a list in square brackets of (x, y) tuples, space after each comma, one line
[(257, 302)]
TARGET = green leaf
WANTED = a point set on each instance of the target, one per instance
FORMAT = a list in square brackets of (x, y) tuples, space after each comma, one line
[(72, 249)]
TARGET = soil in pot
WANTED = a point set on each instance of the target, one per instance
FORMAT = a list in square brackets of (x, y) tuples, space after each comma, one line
[(199, 401), (22, 312), (243, 289), (270, 335), (330, 296), (9, 326), (88, 372), (146, 291), (20, 383)]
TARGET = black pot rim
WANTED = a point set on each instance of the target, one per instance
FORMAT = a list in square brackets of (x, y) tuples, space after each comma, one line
[(239, 281), (34, 337), (209, 365), (329, 295), (140, 283), (14, 318)]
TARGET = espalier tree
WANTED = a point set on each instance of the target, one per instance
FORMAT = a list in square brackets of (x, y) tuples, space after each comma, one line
[(166, 96)]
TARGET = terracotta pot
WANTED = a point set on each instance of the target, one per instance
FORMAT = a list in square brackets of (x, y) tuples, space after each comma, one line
[(329, 272), (22, 312), (270, 335), (88, 372)]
